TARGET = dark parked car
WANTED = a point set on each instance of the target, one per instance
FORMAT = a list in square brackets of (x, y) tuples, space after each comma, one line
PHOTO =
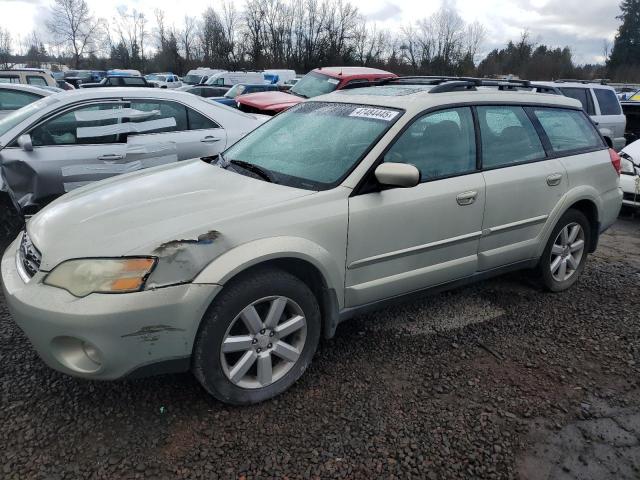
[(205, 91), (119, 81), (229, 98)]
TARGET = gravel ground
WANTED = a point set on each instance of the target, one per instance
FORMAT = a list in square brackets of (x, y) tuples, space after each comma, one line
[(498, 380)]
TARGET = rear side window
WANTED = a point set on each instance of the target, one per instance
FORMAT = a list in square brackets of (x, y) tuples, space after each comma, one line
[(197, 121), (13, 100), (608, 101), (163, 116), (439, 144), (9, 79), (35, 80), (508, 137), (568, 129), (581, 94)]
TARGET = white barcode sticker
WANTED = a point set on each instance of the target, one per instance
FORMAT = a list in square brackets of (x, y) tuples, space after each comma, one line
[(377, 113), (334, 81)]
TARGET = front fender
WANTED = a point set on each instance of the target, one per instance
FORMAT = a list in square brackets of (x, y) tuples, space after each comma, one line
[(244, 256)]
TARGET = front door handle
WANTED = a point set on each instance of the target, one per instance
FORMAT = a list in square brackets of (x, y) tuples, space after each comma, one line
[(466, 198), (209, 139), (111, 157), (554, 179)]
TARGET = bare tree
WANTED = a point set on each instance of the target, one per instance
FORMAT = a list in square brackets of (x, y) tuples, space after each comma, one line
[(71, 24), (188, 37), (6, 45)]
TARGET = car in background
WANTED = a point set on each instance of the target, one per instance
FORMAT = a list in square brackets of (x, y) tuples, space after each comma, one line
[(79, 77), (317, 82), (630, 175), (229, 79), (28, 76), (119, 81), (345, 203), (61, 142), (64, 85), (229, 98), (601, 103), (164, 80), (204, 91), (279, 76), (15, 96), (199, 75)]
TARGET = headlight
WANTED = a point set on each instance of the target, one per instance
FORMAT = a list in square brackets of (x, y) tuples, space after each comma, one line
[(627, 166), (96, 275)]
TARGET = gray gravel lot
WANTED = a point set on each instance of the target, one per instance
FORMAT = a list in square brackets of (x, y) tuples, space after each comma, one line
[(498, 380)]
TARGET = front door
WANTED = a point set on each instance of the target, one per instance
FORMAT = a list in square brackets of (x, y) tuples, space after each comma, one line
[(406, 239)]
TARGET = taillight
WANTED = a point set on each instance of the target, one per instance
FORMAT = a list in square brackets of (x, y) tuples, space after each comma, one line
[(616, 161)]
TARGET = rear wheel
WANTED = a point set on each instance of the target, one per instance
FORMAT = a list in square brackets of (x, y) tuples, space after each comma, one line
[(257, 338), (565, 255)]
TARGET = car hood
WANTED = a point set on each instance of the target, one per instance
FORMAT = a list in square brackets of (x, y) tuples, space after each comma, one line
[(269, 100), (633, 150), (138, 213)]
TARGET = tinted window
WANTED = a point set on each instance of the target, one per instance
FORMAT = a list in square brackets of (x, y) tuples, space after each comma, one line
[(161, 110), (438, 144), (608, 101), (568, 129), (35, 80), (13, 100), (508, 136), (583, 95), (9, 79), (77, 127), (133, 81), (197, 121)]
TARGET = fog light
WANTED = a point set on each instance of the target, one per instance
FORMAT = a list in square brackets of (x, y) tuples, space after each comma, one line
[(92, 352)]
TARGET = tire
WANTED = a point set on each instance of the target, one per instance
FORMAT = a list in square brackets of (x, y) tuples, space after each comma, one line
[(10, 222), (221, 371), (561, 248)]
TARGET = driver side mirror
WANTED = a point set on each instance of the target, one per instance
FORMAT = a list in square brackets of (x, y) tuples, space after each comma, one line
[(24, 142), (397, 175)]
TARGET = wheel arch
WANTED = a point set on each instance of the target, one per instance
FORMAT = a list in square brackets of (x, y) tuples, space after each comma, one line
[(590, 210)]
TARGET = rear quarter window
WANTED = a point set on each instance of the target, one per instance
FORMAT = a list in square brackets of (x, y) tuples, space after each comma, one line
[(568, 130), (608, 101), (582, 95)]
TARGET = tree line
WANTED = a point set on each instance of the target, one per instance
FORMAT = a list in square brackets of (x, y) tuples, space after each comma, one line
[(302, 35)]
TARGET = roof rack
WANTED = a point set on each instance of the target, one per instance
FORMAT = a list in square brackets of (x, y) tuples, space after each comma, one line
[(601, 81), (443, 84)]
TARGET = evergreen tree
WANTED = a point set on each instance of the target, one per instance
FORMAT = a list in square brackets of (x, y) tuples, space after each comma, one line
[(626, 47)]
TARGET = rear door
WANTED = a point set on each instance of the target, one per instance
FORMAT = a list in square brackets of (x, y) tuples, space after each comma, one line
[(194, 134), (523, 185), (609, 117)]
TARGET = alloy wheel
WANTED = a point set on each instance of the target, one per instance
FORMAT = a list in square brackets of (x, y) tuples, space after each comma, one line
[(567, 252), (263, 342)]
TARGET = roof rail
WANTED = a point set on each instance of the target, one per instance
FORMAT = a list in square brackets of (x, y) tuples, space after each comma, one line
[(601, 81)]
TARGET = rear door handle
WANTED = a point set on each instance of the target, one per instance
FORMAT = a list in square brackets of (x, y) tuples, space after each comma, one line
[(209, 139), (111, 157), (466, 198), (554, 179)]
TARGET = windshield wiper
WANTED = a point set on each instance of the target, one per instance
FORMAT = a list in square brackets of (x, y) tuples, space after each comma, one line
[(261, 172)]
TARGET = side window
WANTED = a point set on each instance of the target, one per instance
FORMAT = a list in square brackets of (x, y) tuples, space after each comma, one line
[(508, 136), (82, 126), (439, 144), (568, 129), (581, 94), (9, 79), (114, 81), (168, 116), (133, 81), (13, 100), (197, 121), (219, 81), (35, 80), (608, 101)]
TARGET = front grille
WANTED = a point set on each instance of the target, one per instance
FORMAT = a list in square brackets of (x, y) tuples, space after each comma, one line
[(30, 257), (631, 197)]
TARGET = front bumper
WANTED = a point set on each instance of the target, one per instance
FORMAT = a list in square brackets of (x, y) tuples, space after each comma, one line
[(104, 336)]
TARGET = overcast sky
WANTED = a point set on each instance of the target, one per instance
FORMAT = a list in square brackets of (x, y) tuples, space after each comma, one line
[(583, 25)]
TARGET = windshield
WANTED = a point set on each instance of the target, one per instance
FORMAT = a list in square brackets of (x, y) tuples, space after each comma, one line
[(235, 91), (19, 116), (314, 145), (192, 79), (314, 84), (160, 78)]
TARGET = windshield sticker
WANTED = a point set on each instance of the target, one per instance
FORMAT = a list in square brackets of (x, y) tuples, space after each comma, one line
[(377, 113), (334, 81)]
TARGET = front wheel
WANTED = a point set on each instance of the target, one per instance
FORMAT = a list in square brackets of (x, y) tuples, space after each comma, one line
[(565, 255), (257, 338)]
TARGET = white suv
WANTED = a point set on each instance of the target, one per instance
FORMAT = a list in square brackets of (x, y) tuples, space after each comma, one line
[(343, 203), (601, 103)]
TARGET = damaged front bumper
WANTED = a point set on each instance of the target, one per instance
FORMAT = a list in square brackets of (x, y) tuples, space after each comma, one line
[(105, 336)]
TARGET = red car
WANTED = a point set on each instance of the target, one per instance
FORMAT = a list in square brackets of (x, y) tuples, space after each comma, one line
[(317, 82)]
